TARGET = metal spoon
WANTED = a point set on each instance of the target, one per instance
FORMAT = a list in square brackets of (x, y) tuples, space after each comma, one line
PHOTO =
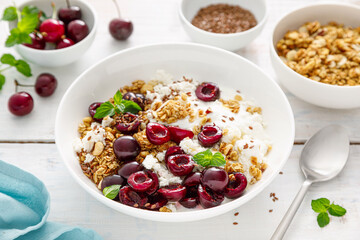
[(323, 157)]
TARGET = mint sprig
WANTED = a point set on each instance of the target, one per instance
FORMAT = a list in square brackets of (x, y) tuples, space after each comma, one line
[(207, 159), (28, 20), (119, 106), (111, 191), (323, 207), (9, 60)]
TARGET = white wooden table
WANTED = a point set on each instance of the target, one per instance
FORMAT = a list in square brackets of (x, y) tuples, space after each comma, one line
[(28, 142)]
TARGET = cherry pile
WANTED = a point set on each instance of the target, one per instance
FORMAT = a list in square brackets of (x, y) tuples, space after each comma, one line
[(60, 33), (21, 103), (139, 187)]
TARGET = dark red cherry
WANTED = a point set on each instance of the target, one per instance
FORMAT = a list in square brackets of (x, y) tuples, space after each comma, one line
[(64, 43), (120, 29), (192, 180), (37, 41), (157, 134), (155, 186), (156, 201), (137, 98), (69, 14), (173, 150), (209, 135), (180, 164), (129, 168), (173, 192), (126, 148), (191, 198), (92, 110), (45, 84), (77, 30), (207, 92), (112, 180), (20, 103), (132, 198), (127, 123), (139, 181), (177, 134), (236, 186), (52, 30), (209, 198), (215, 178)]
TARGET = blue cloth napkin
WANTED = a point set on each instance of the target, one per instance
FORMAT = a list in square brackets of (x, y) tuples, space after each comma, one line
[(24, 208)]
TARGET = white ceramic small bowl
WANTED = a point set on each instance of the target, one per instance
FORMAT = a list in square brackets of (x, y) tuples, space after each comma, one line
[(60, 57), (231, 41), (206, 64), (321, 94)]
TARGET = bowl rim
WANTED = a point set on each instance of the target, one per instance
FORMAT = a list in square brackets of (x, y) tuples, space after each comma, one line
[(176, 216), (52, 51), (287, 68), (225, 35)]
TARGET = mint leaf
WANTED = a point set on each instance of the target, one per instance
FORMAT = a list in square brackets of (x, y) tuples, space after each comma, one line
[(8, 59), (30, 10), (336, 210), (23, 67), (130, 106), (117, 97), (119, 108), (2, 81), (9, 14), (105, 109), (111, 191), (218, 160), (320, 205), (28, 23), (323, 219), (203, 158)]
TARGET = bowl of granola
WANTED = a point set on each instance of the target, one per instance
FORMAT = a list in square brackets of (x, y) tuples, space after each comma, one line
[(168, 138), (315, 51)]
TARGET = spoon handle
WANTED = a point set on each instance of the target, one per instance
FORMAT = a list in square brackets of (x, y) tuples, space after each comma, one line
[(285, 222)]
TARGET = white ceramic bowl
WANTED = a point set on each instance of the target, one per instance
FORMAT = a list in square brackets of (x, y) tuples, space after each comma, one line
[(231, 41), (60, 57), (321, 94), (206, 64)]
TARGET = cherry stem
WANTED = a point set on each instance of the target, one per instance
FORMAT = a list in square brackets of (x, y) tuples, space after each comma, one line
[(17, 84), (54, 10), (68, 3), (117, 8)]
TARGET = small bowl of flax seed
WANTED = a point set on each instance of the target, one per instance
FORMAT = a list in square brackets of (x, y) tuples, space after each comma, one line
[(228, 24)]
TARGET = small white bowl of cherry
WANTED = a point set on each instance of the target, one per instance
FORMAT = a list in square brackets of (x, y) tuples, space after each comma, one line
[(62, 36)]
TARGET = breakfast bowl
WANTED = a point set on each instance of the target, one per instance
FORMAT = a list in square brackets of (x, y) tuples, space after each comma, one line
[(228, 41), (206, 64), (59, 57), (315, 92)]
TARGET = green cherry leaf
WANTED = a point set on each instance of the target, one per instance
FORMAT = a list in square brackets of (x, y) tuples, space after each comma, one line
[(9, 14), (323, 219), (105, 109), (8, 59), (23, 67), (336, 210), (111, 191), (320, 205), (2, 81), (117, 97), (130, 106), (218, 160)]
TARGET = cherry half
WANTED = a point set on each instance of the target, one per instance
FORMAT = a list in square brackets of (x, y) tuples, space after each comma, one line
[(139, 181), (208, 92), (236, 186), (180, 164), (92, 110), (37, 41), (132, 198), (173, 192), (127, 123), (208, 198), (191, 198), (156, 201), (177, 134), (157, 134), (209, 135), (173, 150)]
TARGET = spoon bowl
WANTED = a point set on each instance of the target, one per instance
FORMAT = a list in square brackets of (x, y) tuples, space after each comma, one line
[(325, 154)]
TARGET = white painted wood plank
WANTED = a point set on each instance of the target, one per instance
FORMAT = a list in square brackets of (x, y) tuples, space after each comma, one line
[(70, 204), (155, 21)]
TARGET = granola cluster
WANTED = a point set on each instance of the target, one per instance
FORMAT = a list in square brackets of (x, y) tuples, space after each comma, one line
[(324, 53)]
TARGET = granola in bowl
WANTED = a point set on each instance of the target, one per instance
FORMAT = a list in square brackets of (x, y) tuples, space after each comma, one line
[(170, 144), (324, 53)]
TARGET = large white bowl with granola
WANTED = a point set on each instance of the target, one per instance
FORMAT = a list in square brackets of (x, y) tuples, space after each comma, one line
[(237, 137)]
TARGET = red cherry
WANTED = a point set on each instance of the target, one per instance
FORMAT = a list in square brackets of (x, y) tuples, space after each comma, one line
[(64, 43), (157, 134), (21, 103), (37, 41), (177, 134), (52, 30)]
